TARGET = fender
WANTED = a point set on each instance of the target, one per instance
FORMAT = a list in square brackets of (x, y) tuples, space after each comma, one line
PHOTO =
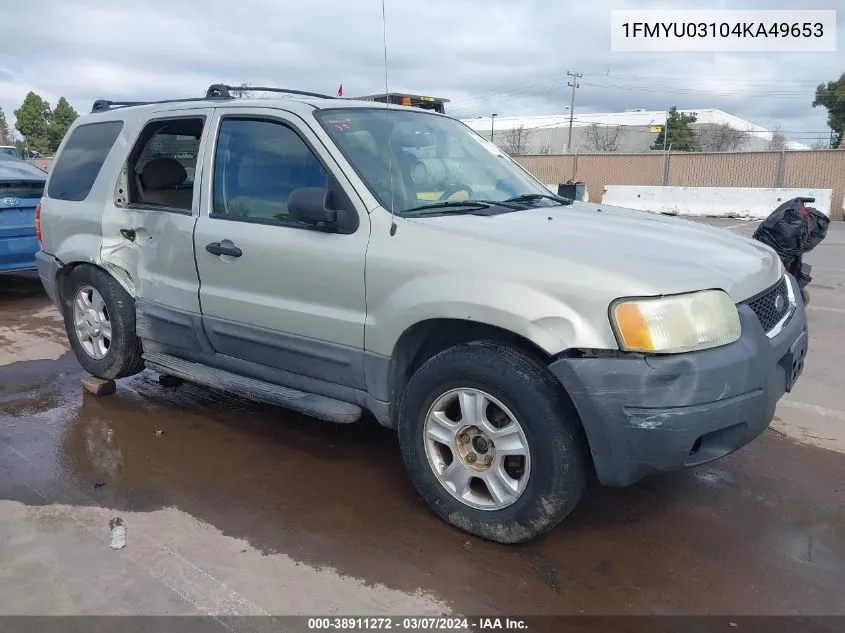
[(544, 320)]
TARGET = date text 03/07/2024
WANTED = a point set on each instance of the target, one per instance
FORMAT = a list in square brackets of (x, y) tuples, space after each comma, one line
[(426, 623)]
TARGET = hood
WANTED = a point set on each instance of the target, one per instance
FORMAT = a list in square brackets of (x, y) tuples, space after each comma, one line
[(12, 168), (666, 254)]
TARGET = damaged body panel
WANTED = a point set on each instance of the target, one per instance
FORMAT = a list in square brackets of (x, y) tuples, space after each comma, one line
[(147, 234), (650, 414), (302, 252)]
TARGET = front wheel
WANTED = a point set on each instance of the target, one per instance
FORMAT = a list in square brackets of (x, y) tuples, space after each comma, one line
[(490, 443)]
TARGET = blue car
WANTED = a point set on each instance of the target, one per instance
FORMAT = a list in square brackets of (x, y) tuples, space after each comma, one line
[(21, 188)]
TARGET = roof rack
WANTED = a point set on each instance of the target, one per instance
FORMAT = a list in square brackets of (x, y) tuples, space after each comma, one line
[(103, 105), (222, 91), (215, 92)]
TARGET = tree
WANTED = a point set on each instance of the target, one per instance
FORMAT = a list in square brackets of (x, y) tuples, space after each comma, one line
[(820, 143), (545, 149), (678, 132), (602, 138), (62, 118), (831, 96), (778, 141), (515, 141), (33, 122), (721, 137), (5, 132), (242, 91)]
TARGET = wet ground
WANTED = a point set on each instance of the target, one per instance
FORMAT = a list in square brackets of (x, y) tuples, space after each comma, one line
[(233, 507)]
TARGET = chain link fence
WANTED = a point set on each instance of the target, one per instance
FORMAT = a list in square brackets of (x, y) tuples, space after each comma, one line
[(810, 168)]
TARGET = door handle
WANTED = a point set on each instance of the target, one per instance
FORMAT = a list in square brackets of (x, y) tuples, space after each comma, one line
[(216, 248), (129, 234)]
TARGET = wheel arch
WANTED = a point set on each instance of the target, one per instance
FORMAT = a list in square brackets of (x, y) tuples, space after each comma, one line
[(427, 338), (124, 352), (118, 274)]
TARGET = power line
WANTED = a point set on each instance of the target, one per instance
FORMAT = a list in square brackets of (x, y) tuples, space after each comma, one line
[(723, 79), (702, 90), (554, 87), (634, 127), (771, 90), (742, 85)]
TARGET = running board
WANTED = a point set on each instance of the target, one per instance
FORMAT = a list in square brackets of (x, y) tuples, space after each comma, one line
[(321, 407)]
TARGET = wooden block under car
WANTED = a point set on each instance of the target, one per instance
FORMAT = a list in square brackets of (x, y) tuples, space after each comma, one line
[(98, 386)]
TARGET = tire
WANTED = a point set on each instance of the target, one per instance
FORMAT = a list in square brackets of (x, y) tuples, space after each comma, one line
[(557, 468), (121, 357)]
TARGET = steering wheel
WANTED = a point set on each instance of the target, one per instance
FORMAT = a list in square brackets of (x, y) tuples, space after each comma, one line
[(453, 189)]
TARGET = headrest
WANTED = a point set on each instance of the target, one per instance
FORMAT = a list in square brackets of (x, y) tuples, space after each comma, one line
[(163, 173)]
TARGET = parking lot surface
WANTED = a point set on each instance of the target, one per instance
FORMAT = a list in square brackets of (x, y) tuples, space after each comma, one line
[(233, 507)]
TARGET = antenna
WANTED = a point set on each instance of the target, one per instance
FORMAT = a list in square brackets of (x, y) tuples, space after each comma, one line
[(387, 119)]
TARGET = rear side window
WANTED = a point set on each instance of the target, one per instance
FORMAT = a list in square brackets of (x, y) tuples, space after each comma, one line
[(163, 162), (79, 164)]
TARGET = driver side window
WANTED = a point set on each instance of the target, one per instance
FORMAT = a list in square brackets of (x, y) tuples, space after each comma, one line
[(257, 165)]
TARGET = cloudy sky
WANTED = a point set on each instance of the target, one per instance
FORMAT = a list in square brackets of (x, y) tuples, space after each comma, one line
[(503, 56)]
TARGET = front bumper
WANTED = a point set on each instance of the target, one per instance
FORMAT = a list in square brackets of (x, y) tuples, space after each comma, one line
[(644, 415)]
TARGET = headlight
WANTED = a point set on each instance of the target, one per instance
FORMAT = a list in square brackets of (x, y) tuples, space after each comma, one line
[(680, 323)]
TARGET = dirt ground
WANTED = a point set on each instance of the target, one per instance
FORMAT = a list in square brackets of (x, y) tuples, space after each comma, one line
[(236, 508)]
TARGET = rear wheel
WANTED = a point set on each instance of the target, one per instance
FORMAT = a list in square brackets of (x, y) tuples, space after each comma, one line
[(490, 443), (99, 319)]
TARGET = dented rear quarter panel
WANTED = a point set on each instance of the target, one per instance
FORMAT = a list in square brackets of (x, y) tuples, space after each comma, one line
[(159, 265), (73, 231)]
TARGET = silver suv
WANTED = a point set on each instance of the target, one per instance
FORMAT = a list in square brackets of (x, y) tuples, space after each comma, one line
[(334, 257)]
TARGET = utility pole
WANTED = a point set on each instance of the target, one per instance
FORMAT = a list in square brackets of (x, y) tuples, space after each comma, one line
[(574, 84), (492, 122)]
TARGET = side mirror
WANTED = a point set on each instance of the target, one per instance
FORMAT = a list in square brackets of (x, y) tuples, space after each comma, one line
[(310, 205)]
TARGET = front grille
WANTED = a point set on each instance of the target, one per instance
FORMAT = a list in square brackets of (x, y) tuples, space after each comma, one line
[(771, 306)]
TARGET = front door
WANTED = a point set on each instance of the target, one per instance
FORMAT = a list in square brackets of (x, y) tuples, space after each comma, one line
[(273, 291)]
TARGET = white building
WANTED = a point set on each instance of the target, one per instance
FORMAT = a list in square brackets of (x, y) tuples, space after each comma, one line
[(630, 131)]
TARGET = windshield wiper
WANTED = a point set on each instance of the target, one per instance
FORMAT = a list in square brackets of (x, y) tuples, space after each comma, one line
[(477, 205), (532, 197), (466, 206)]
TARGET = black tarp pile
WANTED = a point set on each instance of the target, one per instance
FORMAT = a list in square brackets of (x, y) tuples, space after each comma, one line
[(792, 230)]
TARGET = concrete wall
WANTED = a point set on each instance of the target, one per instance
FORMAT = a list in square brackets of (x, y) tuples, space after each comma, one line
[(730, 202)]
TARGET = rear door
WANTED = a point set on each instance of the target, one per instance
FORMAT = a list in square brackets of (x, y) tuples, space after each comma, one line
[(21, 188), (148, 226)]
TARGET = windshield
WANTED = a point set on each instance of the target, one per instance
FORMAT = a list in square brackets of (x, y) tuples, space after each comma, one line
[(427, 158), (8, 151)]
